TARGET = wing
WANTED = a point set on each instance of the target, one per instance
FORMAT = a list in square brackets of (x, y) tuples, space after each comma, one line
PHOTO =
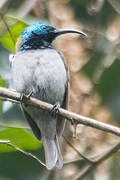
[(32, 124), (60, 120)]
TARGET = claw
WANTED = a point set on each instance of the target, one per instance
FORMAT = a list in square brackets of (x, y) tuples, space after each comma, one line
[(55, 109), (24, 97), (29, 95)]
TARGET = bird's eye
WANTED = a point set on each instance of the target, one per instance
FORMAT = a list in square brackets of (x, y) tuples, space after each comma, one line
[(43, 27)]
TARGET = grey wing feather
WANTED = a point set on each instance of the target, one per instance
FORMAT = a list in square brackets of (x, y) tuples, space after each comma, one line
[(61, 121), (32, 124)]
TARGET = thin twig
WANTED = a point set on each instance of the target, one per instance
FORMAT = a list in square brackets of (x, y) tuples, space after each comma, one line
[(6, 93), (4, 141), (89, 168), (92, 158), (84, 172), (72, 117), (71, 145), (72, 161), (7, 99), (7, 142), (13, 126), (115, 5)]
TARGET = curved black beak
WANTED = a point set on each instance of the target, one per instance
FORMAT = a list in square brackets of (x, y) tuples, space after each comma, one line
[(65, 31)]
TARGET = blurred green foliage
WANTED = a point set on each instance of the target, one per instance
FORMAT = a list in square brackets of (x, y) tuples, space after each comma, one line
[(9, 33), (19, 137), (17, 166), (2, 82)]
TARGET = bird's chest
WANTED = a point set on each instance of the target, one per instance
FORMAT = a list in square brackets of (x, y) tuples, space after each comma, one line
[(49, 79), (44, 74)]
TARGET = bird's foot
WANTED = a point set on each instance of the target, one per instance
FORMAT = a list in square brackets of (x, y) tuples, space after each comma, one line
[(24, 97), (30, 94), (55, 110)]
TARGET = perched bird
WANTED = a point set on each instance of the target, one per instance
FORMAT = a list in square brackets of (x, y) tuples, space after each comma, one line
[(38, 68)]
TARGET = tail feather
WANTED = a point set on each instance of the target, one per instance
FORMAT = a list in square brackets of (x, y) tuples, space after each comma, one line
[(52, 154), (59, 163)]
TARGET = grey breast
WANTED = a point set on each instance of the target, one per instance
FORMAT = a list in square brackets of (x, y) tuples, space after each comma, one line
[(40, 71)]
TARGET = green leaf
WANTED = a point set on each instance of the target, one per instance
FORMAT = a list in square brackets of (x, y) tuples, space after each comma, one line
[(18, 137), (3, 84), (10, 30)]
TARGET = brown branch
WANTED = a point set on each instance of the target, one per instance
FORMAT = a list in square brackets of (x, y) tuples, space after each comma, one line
[(72, 117)]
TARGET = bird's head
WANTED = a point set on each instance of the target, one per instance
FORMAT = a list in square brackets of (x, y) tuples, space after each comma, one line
[(41, 35)]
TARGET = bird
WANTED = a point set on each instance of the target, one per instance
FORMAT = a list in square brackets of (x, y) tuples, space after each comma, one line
[(40, 70)]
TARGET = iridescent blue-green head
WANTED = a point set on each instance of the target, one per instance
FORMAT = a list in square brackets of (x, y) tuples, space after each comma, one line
[(40, 36)]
